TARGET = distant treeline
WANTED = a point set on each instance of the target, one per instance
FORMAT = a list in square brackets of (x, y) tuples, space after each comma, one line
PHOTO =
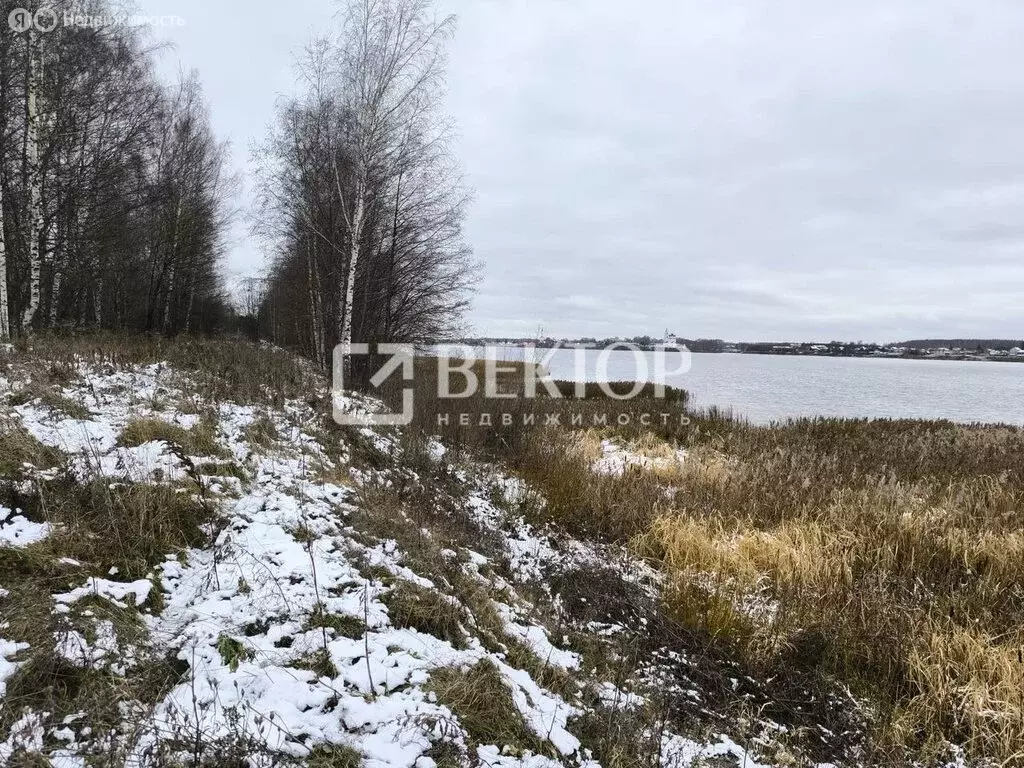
[(644, 342), (704, 345), (1002, 345), (838, 348), (832, 348)]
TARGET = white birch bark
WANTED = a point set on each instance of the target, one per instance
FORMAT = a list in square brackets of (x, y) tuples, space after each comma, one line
[(5, 325), (169, 296), (356, 228), (62, 231), (35, 209), (58, 275), (168, 299)]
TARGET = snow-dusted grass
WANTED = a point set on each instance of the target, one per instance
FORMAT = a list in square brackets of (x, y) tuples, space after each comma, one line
[(198, 566), (190, 583)]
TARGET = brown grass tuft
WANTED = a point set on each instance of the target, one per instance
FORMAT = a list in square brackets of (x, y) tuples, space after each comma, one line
[(429, 611), (481, 700), (200, 440)]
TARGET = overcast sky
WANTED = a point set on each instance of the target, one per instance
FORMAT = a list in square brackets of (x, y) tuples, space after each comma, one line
[(744, 169)]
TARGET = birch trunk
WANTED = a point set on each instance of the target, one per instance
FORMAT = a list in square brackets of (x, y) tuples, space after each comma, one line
[(168, 299), (35, 207), (393, 250), (315, 307), (5, 326), (5, 309), (191, 302), (345, 332), (55, 294), (63, 231), (169, 296)]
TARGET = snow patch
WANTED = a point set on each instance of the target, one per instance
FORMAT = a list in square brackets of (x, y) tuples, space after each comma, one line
[(17, 531)]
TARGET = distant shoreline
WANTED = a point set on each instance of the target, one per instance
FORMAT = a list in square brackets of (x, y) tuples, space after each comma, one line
[(957, 358), (870, 352)]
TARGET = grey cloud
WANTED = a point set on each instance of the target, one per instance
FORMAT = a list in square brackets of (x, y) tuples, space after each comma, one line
[(990, 232), (754, 169)]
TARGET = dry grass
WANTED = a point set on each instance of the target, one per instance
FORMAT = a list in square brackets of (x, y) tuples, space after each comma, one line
[(200, 440), (130, 526), (972, 686), (334, 756), (96, 526), (262, 432), (607, 506), (47, 682), (429, 611), (620, 738), (342, 625), (225, 369), (49, 396), (483, 704), (403, 513), (18, 448), (887, 554)]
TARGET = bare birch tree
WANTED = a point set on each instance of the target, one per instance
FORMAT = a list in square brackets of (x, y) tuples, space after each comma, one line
[(391, 61), (359, 201), (34, 176)]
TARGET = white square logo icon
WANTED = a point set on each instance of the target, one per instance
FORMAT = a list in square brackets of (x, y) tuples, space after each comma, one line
[(400, 356)]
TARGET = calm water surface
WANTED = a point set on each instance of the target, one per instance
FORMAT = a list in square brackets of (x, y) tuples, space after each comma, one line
[(764, 388)]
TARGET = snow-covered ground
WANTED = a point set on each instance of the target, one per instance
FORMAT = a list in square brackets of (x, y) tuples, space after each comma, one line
[(280, 625), (616, 459)]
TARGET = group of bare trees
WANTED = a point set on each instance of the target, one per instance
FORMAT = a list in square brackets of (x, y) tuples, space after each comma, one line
[(115, 192), (360, 198)]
